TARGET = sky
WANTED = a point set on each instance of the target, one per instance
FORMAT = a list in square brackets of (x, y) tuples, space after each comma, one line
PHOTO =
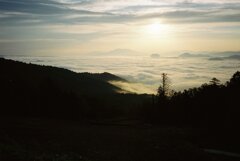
[(78, 27)]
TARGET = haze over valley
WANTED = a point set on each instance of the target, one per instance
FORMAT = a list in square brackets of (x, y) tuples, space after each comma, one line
[(144, 72)]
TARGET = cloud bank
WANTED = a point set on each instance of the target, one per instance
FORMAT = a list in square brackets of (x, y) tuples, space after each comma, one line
[(144, 73)]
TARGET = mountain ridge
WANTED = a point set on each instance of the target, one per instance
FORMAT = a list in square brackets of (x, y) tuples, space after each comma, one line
[(66, 80)]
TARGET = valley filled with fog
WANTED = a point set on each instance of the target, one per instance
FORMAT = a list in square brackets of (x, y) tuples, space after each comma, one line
[(144, 72)]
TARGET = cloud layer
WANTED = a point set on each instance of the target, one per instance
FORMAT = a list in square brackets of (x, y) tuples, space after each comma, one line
[(144, 73)]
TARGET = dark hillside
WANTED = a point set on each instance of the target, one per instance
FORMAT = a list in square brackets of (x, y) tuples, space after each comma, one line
[(45, 91), (34, 75), (103, 76)]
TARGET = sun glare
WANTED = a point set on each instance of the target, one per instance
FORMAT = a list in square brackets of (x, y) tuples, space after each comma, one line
[(156, 29)]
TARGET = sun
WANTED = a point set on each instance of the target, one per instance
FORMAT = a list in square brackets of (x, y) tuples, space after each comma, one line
[(154, 28), (155, 32)]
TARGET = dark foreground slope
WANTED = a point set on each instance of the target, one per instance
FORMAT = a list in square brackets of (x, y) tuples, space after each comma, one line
[(56, 140), (45, 91), (52, 114)]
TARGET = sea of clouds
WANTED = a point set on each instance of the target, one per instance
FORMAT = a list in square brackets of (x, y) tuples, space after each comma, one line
[(144, 72)]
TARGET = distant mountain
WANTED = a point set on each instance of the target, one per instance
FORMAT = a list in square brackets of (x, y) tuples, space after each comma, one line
[(216, 58), (188, 55), (155, 55), (117, 52), (225, 53), (235, 57), (33, 76), (232, 57)]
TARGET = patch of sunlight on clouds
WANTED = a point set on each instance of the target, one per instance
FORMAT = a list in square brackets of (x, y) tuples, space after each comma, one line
[(133, 87)]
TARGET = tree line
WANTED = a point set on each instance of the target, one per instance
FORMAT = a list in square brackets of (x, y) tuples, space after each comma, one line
[(213, 106)]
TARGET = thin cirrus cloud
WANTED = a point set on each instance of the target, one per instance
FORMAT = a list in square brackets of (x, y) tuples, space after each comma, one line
[(78, 12)]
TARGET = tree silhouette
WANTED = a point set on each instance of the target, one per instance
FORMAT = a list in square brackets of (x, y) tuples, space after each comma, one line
[(164, 88), (214, 81), (235, 80)]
